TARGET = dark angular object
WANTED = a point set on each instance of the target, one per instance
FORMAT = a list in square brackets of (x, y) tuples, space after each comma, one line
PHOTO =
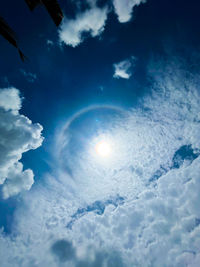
[(52, 7), (9, 35), (32, 3)]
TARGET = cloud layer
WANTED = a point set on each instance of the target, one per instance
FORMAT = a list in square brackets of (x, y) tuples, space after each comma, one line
[(93, 212), (18, 135)]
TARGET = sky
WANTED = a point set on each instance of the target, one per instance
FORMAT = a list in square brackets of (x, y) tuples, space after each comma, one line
[(100, 135)]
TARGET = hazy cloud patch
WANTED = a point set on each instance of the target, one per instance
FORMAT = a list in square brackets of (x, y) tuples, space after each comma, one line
[(30, 77)]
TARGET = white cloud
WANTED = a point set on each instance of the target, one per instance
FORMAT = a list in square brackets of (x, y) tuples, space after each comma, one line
[(124, 8), (10, 99), (123, 69), (17, 180), (17, 135), (92, 21), (158, 223)]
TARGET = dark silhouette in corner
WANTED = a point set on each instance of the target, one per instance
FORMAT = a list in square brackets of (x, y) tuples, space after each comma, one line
[(9, 35), (52, 7)]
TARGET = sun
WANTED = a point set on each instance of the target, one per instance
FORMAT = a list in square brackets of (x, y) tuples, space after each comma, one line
[(103, 148)]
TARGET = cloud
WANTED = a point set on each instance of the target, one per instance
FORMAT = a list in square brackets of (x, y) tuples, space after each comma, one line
[(124, 8), (119, 217), (30, 77), (123, 69), (10, 100), (91, 21), (18, 135)]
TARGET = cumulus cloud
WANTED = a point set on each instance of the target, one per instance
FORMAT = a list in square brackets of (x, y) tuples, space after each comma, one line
[(123, 68), (120, 216), (92, 21), (124, 8), (18, 135)]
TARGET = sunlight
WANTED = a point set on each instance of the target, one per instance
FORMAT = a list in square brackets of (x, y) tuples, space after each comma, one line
[(103, 149)]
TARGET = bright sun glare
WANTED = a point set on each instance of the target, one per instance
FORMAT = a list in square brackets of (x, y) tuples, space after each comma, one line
[(103, 149)]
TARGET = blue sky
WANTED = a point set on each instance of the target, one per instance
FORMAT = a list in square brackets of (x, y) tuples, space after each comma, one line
[(122, 76)]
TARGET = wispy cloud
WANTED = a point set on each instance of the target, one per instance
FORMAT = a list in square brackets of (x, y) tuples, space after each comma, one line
[(30, 77)]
